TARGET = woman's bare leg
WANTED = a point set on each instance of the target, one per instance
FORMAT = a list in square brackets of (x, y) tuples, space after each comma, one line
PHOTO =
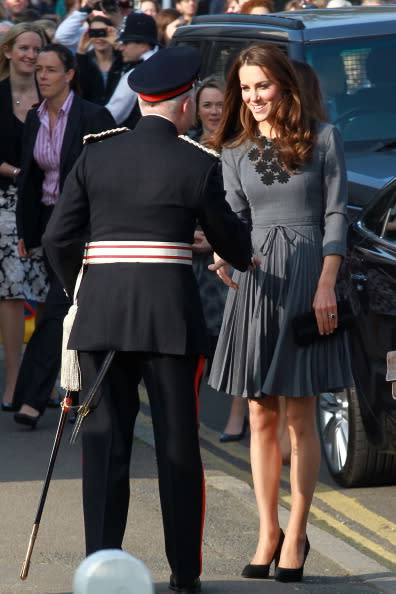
[(12, 326), (284, 437), (304, 469), (236, 416), (265, 458)]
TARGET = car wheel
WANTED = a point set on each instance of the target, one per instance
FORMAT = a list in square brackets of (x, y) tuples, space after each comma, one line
[(351, 459)]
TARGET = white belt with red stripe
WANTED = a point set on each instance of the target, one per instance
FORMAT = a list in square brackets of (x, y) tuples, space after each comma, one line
[(166, 252)]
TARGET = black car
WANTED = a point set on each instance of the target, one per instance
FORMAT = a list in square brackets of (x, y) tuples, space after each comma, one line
[(358, 426), (353, 51)]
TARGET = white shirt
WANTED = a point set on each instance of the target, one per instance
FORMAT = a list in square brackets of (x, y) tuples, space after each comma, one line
[(123, 99), (71, 28)]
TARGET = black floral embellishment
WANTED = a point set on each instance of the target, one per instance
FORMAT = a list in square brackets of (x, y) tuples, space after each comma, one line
[(266, 163), (268, 178), (267, 154), (261, 167), (254, 154), (283, 177)]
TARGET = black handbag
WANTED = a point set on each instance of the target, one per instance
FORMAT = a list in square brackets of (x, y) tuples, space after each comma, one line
[(305, 327)]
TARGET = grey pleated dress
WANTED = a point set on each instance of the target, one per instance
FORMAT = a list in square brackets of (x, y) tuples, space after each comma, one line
[(296, 220)]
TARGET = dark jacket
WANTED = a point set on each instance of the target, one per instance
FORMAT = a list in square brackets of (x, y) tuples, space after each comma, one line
[(143, 185), (11, 130), (84, 118), (91, 80)]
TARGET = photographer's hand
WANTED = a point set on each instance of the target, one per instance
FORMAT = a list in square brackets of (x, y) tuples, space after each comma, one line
[(84, 43), (112, 36), (87, 5)]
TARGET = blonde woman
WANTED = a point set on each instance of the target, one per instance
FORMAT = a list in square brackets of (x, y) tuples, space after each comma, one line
[(20, 279)]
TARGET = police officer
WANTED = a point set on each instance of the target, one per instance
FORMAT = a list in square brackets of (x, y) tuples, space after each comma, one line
[(137, 42), (141, 193)]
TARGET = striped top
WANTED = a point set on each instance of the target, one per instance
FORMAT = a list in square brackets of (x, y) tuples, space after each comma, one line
[(48, 146)]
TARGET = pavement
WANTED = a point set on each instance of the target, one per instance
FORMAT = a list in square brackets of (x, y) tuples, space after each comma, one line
[(231, 524)]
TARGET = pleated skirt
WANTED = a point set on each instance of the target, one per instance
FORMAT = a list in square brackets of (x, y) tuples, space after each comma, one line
[(256, 353)]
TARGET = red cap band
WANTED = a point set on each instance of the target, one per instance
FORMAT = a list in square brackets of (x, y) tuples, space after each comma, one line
[(164, 96)]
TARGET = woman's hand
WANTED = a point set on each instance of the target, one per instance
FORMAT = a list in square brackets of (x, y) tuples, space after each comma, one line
[(325, 302), (84, 42), (325, 306), (201, 245), (22, 251), (112, 36), (222, 269)]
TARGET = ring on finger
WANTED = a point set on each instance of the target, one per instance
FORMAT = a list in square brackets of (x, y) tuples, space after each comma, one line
[(331, 316)]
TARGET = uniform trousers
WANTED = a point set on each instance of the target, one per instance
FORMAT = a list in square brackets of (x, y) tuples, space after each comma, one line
[(42, 357), (172, 384)]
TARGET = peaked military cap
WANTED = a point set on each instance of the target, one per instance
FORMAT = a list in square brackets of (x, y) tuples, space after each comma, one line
[(167, 74), (138, 27)]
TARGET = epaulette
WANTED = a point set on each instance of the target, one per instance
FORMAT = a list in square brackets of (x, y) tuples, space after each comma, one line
[(200, 146), (90, 138)]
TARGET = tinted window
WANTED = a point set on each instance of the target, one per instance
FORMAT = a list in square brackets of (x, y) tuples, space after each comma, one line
[(381, 217), (221, 56), (359, 90)]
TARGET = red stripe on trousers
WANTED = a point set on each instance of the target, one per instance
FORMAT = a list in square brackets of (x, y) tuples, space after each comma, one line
[(197, 385)]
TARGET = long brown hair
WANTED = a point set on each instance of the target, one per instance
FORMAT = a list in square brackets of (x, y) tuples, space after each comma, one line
[(291, 122), (310, 88)]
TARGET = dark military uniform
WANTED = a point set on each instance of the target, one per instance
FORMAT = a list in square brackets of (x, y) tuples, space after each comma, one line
[(147, 185)]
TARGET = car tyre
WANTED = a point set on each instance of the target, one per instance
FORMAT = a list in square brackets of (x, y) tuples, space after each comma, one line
[(351, 459)]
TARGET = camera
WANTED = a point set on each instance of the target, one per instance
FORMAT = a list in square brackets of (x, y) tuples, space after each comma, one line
[(97, 33)]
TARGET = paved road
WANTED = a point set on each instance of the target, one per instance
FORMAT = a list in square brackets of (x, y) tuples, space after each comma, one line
[(333, 567)]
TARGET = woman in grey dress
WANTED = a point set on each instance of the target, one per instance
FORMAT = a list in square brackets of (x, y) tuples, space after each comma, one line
[(285, 176)]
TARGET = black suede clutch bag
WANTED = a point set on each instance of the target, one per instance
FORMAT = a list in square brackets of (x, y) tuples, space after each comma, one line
[(306, 331)]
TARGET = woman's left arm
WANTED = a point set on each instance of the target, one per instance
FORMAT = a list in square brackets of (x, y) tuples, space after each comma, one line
[(325, 303), (335, 192)]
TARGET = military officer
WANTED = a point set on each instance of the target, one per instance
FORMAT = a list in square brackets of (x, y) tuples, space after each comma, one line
[(141, 193)]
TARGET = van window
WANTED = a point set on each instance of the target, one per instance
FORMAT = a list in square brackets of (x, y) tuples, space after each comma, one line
[(359, 93)]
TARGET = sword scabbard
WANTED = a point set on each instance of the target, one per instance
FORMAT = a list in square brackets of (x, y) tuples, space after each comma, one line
[(26, 564)]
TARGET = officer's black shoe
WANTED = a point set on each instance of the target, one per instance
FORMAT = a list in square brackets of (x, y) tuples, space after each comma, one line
[(190, 588)]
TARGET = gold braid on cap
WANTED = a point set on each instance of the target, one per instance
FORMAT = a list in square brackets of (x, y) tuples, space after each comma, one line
[(90, 138), (200, 146)]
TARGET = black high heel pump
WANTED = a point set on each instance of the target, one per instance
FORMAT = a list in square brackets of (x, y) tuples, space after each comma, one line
[(225, 437), (25, 419), (261, 572), (284, 574)]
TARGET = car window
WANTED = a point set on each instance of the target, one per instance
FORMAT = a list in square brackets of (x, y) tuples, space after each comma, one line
[(223, 54), (358, 87), (380, 219)]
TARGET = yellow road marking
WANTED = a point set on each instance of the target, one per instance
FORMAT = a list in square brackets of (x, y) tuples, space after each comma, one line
[(356, 512), (348, 532)]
